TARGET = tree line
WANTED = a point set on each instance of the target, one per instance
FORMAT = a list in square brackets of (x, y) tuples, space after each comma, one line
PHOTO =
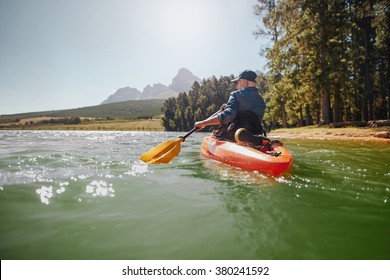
[(328, 62), (203, 100)]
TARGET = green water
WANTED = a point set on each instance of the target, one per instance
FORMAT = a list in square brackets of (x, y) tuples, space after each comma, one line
[(85, 195)]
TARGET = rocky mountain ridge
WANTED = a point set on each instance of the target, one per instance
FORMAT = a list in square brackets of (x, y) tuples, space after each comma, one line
[(182, 82)]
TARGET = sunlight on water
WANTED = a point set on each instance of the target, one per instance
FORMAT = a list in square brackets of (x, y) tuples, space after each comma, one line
[(45, 193), (138, 169), (100, 188), (75, 160), (75, 188)]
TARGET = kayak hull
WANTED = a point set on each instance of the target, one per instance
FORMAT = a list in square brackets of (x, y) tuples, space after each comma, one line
[(246, 157)]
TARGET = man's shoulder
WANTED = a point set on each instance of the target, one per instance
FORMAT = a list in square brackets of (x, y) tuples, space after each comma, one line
[(252, 89), (235, 93)]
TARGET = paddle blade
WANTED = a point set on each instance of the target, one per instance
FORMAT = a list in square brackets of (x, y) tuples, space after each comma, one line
[(163, 153)]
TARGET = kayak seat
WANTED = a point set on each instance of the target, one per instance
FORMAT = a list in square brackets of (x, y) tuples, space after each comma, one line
[(276, 143), (244, 137)]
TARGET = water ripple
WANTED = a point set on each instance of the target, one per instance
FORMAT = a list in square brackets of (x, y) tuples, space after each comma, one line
[(76, 189)]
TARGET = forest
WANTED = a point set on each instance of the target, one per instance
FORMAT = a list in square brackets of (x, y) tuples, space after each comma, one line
[(328, 62)]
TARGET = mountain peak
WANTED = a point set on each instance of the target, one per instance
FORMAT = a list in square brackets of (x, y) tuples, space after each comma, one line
[(184, 71), (182, 82)]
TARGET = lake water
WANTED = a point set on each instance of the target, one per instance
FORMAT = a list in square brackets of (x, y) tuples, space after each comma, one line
[(86, 195)]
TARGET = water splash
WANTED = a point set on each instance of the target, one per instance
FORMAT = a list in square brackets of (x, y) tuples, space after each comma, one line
[(138, 169), (100, 188), (45, 193), (60, 190)]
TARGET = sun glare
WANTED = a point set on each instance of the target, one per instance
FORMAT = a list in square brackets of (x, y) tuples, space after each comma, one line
[(178, 21)]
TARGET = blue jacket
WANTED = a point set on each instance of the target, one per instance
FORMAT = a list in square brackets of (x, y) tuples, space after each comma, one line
[(248, 99)]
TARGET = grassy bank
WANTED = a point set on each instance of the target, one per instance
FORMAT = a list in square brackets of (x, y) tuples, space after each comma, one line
[(122, 125)]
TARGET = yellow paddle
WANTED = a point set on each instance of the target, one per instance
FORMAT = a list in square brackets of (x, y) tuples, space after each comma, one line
[(165, 152)]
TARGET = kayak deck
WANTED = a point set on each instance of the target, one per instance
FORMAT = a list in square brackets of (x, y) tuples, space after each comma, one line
[(246, 157)]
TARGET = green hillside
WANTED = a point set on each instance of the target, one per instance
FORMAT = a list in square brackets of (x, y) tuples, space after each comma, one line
[(122, 110)]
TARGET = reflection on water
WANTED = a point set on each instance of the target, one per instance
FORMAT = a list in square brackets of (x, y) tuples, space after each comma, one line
[(238, 176), (86, 195)]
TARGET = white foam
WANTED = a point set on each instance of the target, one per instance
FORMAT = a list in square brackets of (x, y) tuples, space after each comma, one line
[(60, 190), (137, 169), (89, 189), (99, 188), (281, 180), (45, 193)]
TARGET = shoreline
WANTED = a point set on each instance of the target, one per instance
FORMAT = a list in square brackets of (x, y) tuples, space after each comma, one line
[(378, 134)]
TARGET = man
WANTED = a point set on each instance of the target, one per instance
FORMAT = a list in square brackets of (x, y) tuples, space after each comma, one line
[(244, 109)]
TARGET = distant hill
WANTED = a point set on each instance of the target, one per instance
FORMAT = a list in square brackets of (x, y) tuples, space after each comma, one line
[(120, 110), (151, 92), (182, 82), (123, 94)]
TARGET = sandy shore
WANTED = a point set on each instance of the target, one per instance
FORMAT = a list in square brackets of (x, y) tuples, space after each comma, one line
[(381, 134)]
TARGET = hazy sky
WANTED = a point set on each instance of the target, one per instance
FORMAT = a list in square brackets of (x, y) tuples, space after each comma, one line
[(61, 54)]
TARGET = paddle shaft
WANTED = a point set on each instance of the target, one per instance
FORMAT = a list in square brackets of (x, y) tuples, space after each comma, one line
[(188, 134), (194, 129)]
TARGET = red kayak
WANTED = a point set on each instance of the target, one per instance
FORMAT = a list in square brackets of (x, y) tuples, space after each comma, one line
[(273, 162)]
